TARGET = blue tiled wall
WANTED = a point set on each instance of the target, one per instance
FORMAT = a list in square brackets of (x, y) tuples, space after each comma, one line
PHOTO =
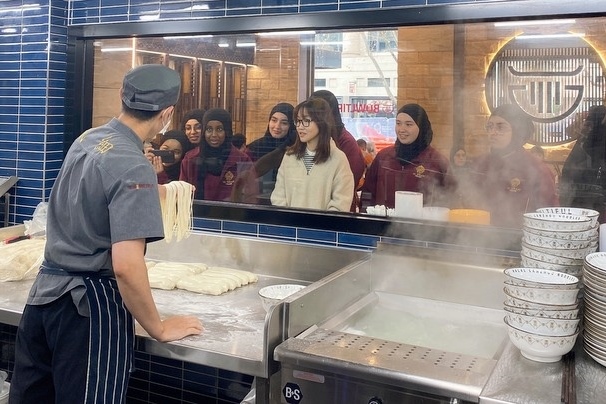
[(33, 47)]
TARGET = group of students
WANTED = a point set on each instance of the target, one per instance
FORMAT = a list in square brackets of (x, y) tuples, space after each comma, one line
[(307, 159)]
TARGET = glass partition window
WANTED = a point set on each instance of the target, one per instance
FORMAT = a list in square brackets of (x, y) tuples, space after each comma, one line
[(459, 73)]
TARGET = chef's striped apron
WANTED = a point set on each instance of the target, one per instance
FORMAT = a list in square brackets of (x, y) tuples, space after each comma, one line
[(112, 337)]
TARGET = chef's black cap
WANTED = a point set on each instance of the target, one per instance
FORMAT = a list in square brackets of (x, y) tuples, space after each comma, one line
[(151, 87)]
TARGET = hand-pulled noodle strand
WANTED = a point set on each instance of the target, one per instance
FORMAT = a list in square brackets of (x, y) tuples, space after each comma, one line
[(177, 210)]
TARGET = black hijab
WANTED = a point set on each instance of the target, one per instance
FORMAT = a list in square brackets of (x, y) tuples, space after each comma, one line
[(522, 127), (405, 153), (212, 159), (268, 143), (197, 114), (174, 170)]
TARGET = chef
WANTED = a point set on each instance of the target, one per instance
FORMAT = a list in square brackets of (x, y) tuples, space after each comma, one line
[(75, 341)]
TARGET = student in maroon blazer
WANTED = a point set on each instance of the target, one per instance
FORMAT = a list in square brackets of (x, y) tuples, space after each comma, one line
[(215, 164), (411, 164), (509, 179)]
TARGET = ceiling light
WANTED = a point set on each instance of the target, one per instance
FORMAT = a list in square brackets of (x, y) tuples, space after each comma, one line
[(223, 45), (245, 44), (188, 37), (286, 33), (537, 22), (550, 36), (116, 49), (312, 43)]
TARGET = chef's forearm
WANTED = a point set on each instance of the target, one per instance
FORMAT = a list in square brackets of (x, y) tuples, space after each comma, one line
[(131, 276)]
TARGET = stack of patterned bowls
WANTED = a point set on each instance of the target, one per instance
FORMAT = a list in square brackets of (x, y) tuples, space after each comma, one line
[(594, 317), (542, 312), (559, 238)]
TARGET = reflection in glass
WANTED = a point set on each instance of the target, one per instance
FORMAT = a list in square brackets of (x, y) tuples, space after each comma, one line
[(458, 73)]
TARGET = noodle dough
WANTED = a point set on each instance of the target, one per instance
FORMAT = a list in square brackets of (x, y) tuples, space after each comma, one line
[(21, 260), (196, 277)]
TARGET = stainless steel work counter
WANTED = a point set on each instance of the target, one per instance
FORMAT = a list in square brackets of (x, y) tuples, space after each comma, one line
[(238, 334)]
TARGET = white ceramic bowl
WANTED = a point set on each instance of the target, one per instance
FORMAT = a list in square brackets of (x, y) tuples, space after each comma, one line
[(525, 304), (575, 270), (590, 234), (555, 243), (542, 296), (577, 254), (562, 314), (541, 278), (596, 262), (556, 222), (590, 213), (550, 256), (271, 295), (542, 325), (541, 348)]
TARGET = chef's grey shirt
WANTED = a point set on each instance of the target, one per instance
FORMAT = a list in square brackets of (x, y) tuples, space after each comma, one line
[(106, 192)]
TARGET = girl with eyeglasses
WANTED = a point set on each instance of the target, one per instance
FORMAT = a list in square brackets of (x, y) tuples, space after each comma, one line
[(314, 173), (509, 180), (213, 167)]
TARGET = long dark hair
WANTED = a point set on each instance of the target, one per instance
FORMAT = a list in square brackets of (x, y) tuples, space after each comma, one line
[(331, 99), (319, 112)]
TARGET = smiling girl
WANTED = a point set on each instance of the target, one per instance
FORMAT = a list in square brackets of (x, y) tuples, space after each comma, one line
[(411, 164), (314, 173)]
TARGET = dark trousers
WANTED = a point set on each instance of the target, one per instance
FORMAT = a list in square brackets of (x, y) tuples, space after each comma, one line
[(51, 355)]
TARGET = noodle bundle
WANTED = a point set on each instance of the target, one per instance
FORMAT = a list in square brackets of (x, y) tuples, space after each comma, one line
[(177, 210)]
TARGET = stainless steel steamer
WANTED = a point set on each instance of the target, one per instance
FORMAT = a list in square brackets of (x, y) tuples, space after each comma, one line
[(408, 325)]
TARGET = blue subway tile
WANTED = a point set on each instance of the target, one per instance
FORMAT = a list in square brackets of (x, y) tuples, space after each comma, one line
[(317, 235), (30, 165), (207, 224), (9, 46), (6, 154), (231, 4), (402, 3), (277, 231), (240, 228), (279, 3), (429, 2), (279, 10), (359, 5), (319, 8), (352, 239), (112, 12), (243, 12)]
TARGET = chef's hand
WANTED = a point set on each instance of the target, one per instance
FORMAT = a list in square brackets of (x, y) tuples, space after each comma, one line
[(177, 327)]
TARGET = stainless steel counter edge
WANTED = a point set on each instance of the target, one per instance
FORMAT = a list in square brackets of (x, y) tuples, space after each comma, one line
[(518, 380)]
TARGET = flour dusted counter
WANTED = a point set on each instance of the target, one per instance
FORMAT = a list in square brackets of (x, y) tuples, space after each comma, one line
[(239, 336)]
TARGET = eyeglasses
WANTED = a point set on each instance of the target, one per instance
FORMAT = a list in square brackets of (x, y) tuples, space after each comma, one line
[(500, 127), (304, 122), (210, 130)]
